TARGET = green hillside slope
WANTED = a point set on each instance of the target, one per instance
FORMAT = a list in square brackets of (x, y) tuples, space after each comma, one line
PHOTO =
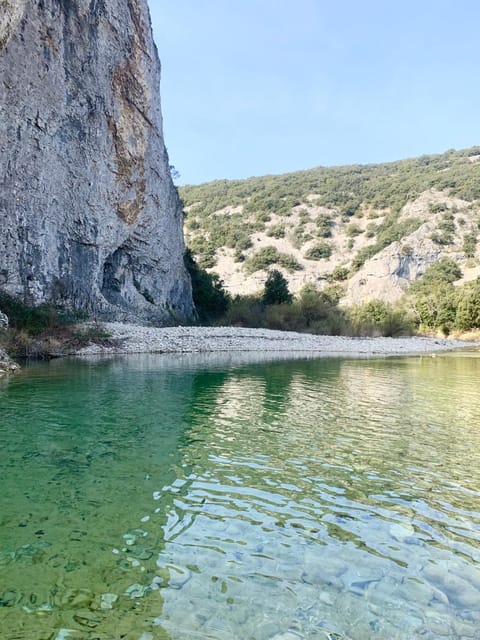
[(365, 226)]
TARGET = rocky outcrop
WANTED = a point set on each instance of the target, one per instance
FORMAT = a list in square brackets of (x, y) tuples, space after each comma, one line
[(89, 217), (390, 272), (3, 320), (6, 364)]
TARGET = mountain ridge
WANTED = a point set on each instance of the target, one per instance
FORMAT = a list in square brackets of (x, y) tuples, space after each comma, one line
[(373, 228)]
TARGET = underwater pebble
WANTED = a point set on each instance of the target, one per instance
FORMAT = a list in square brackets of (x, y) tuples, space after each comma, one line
[(146, 636), (157, 495), (145, 519), (65, 634), (401, 531), (326, 598), (139, 552), (9, 598), (107, 600), (76, 599), (87, 621), (136, 590), (41, 609)]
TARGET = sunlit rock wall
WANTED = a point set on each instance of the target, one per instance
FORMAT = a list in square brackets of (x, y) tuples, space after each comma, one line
[(89, 217)]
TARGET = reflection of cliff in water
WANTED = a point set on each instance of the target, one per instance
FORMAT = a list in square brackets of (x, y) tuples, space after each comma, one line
[(85, 447)]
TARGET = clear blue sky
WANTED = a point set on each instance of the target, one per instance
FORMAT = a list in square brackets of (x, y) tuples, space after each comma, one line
[(255, 87)]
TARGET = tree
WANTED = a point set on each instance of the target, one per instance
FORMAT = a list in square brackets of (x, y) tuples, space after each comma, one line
[(210, 298), (276, 289), (468, 308)]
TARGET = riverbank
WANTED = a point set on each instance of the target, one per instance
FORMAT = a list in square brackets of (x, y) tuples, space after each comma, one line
[(129, 338)]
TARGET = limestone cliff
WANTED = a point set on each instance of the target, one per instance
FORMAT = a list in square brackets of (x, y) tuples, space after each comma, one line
[(89, 216)]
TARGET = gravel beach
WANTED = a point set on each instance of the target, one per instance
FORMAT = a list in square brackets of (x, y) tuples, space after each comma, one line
[(130, 338)]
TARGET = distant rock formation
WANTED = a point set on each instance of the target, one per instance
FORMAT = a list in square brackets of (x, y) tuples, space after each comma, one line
[(89, 216)]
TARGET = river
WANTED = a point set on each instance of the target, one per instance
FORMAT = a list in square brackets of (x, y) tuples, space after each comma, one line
[(151, 497)]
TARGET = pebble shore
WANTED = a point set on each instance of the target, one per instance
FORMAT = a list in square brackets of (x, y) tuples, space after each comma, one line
[(130, 338)]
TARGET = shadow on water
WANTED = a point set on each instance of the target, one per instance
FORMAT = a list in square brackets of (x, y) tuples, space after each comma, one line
[(151, 497)]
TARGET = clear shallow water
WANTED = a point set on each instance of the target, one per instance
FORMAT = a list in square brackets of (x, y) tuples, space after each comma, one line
[(152, 498)]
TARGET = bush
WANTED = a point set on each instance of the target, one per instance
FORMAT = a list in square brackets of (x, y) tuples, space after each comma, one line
[(277, 231), (34, 319), (469, 244), (324, 225), (339, 274), (283, 317), (269, 255), (353, 230), (319, 251), (244, 311), (380, 318)]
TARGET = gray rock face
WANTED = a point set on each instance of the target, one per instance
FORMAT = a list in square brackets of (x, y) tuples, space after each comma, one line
[(89, 217), (3, 320)]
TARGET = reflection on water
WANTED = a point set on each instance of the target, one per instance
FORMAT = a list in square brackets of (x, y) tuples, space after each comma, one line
[(151, 497)]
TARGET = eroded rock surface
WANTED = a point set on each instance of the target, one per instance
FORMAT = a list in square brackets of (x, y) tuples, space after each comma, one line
[(89, 216)]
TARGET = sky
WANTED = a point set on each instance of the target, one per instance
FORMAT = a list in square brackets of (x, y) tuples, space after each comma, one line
[(257, 87)]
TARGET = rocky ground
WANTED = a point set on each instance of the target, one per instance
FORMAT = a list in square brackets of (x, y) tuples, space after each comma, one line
[(129, 338)]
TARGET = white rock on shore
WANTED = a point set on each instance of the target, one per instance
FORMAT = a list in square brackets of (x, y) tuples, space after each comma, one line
[(130, 338)]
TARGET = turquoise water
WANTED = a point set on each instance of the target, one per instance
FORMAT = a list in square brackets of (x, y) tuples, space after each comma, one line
[(152, 497)]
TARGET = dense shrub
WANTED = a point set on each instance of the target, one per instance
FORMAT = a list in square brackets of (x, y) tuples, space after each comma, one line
[(277, 231), (469, 244), (353, 229), (379, 318), (324, 225), (268, 256), (339, 274), (319, 251), (244, 311), (33, 319)]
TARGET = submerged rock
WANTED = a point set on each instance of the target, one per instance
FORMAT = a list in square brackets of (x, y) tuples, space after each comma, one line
[(136, 590)]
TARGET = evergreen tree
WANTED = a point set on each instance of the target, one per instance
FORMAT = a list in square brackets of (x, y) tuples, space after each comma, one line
[(276, 289)]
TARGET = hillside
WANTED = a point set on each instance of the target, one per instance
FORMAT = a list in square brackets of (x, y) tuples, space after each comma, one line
[(375, 228)]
